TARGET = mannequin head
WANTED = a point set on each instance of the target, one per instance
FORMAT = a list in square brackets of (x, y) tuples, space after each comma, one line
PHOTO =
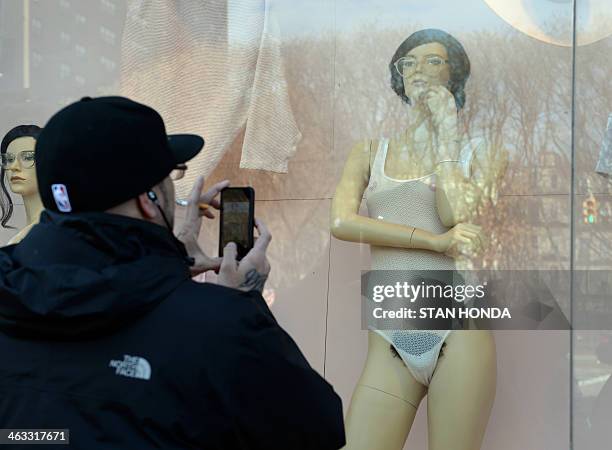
[(18, 167), (429, 58)]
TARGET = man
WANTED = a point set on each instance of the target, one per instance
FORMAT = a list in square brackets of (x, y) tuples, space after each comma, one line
[(102, 330)]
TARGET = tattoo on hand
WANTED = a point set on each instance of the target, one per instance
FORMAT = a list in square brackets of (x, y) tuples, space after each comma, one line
[(254, 280)]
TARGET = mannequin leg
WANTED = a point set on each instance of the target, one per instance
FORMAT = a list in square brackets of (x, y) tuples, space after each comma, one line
[(384, 403), (462, 391)]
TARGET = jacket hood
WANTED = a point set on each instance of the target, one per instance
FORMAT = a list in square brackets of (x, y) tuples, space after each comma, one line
[(82, 275)]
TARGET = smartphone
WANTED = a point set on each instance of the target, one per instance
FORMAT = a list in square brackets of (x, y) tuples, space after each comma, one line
[(237, 219)]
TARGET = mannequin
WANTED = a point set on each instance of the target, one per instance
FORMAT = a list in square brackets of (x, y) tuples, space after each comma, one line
[(18, 167), (428, 72)]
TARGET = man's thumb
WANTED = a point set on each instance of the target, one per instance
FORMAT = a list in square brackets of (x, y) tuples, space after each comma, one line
[(229, 257)]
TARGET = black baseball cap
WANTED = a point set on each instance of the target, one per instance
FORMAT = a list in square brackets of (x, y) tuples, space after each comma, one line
[(100, 152)]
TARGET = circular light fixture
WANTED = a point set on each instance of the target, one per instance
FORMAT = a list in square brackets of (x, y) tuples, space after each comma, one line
[(551, 21)]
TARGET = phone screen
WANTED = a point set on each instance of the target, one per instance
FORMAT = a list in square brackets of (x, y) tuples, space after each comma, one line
[(237, 206)]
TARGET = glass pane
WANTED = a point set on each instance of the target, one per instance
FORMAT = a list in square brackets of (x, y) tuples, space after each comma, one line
[(592, 365), (287, 92)]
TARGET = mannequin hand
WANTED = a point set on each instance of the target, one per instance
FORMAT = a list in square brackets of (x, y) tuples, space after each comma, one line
[(252, 271), (441, 105), (463, 238), (190, 230)]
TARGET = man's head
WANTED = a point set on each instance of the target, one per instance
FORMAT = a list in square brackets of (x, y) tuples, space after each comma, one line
[(108, 154)]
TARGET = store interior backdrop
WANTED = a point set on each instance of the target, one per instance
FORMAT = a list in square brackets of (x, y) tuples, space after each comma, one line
[(325, 66)]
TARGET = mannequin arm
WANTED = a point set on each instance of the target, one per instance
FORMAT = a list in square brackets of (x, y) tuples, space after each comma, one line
[(457, 197), (348, 225)]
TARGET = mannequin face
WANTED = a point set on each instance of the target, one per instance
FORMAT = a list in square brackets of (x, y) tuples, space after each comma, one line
[(22, 179), (425, 66)]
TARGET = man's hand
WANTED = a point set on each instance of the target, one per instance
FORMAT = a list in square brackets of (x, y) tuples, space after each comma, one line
[(190, 230), (250, 273)]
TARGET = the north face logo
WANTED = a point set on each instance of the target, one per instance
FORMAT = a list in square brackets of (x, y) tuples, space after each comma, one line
[(132, 366)]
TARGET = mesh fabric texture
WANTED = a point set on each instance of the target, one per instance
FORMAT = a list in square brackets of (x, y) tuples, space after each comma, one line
[(209, 67)]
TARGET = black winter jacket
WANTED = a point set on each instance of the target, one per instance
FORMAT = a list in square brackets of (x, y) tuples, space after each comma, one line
[(103, 332)]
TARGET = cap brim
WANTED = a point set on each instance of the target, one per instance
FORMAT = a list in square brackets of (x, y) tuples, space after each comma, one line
[(185, 146)]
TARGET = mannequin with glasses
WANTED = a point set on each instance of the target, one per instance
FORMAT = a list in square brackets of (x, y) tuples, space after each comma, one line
[(422, 187), (18, 169)]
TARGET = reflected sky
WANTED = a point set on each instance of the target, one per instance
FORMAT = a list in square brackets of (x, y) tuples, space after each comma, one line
[(318, 15)]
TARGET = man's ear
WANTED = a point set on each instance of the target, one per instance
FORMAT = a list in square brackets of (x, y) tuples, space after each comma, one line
[(147, 208)]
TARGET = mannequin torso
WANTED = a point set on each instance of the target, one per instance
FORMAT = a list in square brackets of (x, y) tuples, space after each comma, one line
[(391, 387)]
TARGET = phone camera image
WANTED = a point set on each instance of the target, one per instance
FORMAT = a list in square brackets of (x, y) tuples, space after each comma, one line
[(237, 218)]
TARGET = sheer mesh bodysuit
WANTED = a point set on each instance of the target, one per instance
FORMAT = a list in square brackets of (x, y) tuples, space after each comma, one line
[(412, 203)]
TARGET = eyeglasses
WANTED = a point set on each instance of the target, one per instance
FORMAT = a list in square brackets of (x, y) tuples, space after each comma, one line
[(178, 172), (26, 158), (408, 65)]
